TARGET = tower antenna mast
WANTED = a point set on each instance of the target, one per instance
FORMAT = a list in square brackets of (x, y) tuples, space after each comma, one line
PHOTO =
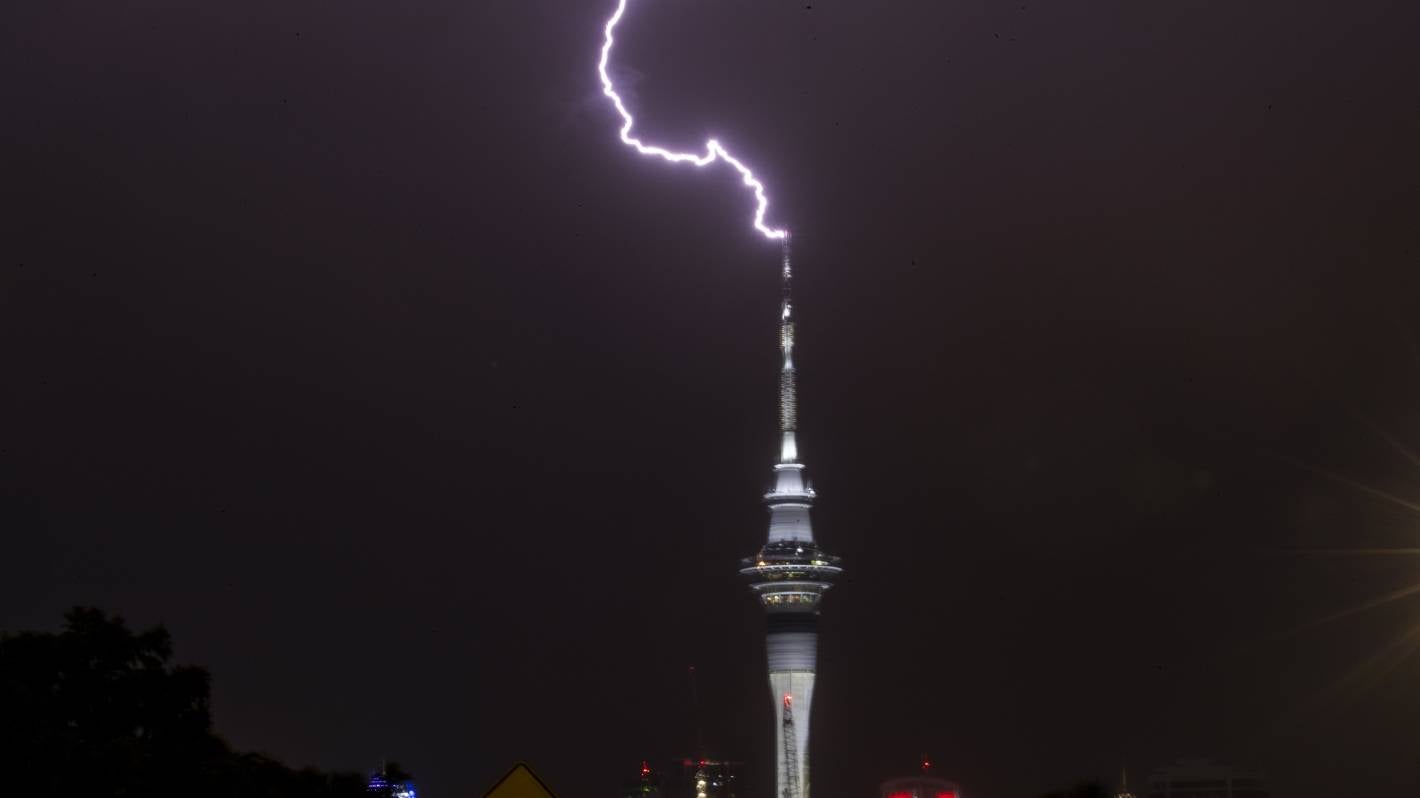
[(788, 387), (695, 716)]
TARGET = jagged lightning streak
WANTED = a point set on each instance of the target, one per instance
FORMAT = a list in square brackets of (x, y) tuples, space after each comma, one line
[(713, 151)]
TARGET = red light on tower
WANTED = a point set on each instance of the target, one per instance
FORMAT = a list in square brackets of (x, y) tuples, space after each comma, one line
[(645, 769), (946, 795), (899, 795)]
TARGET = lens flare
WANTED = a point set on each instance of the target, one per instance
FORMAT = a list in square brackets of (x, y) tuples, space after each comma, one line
[(714, 152), (1390, 656), (1394, 442), (1349, 482)]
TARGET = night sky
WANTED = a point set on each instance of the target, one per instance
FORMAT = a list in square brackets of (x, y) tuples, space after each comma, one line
[(345, 340)]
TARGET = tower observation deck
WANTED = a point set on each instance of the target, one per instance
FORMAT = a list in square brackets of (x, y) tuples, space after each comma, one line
[(789, 575)]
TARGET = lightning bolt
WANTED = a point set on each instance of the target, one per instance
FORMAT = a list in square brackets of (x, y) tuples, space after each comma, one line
[(714, 152)]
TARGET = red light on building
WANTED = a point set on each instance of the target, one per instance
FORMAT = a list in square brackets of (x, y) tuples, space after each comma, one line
[(899, 795), (946, 795)]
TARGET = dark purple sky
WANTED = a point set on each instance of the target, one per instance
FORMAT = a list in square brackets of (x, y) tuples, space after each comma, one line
[(345, 340)]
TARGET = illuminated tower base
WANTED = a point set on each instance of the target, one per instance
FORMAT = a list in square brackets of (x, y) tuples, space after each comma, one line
[(793, 761)]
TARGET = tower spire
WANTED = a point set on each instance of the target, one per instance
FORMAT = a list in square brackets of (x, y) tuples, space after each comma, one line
[(695, 715), (1124, 784), (790, 575), (788, 384)]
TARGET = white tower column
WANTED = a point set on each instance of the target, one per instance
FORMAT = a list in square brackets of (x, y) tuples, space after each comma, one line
[(790, 575)]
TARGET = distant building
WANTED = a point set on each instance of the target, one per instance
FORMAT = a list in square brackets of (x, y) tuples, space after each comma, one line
[(701, 778), (390, 782), (1199, 778), (923, 786), (647, 785)]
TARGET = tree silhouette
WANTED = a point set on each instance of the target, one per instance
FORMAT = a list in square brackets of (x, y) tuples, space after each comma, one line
[(97, 710)]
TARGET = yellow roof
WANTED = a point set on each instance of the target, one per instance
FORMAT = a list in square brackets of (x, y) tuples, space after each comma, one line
[(520, 782)]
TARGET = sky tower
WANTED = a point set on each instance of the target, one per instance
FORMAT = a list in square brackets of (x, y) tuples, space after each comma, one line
[(790, 575)]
